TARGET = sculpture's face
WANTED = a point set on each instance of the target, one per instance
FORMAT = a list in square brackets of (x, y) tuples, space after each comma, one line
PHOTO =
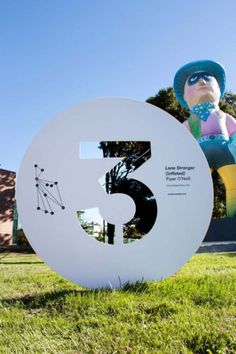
[(201, 87)]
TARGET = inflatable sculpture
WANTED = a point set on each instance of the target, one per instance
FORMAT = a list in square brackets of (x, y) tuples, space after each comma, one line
[(199, 86)]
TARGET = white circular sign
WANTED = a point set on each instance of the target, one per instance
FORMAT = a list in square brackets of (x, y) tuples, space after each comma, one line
[(114, 191)]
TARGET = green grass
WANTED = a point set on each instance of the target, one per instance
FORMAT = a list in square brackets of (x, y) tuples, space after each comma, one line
[(194, 311)]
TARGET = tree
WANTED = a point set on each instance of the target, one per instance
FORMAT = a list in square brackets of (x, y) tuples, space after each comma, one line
[(228, 103), (165, 99)]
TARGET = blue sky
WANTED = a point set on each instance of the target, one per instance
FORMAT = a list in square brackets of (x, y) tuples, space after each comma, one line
[(55, 54)]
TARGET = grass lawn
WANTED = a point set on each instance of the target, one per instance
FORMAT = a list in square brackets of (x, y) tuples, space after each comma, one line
[(194, 311)]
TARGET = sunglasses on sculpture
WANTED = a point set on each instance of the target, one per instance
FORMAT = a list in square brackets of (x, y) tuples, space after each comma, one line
[(193, 79)]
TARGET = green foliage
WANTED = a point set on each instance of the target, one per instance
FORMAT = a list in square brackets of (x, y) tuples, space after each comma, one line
[(228, 103), (190, 312), (166, 100)]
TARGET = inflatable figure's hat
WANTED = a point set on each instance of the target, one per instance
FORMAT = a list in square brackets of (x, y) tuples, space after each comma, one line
[(209, 66)]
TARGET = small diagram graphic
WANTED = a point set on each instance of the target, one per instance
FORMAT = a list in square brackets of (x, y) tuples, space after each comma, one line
[(48, 194)]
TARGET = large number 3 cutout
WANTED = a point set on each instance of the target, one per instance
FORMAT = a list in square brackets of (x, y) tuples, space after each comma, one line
[(133, 154)]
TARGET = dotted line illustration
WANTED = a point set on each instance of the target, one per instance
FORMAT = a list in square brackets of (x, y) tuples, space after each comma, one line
[(48, 194)]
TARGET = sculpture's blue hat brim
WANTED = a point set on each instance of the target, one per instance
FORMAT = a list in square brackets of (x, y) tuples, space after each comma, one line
[(210, 66)]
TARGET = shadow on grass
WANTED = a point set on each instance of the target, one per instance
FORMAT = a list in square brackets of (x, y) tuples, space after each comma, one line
[(137, 287), (7, 255), (56, 299), (230, 254), (43, 300), (16, 251), (19, 262)]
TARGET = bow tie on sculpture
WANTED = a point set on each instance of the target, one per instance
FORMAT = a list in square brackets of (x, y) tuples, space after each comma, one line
[(204, 110)]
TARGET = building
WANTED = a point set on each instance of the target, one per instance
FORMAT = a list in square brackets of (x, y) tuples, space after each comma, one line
[(8, 213)]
